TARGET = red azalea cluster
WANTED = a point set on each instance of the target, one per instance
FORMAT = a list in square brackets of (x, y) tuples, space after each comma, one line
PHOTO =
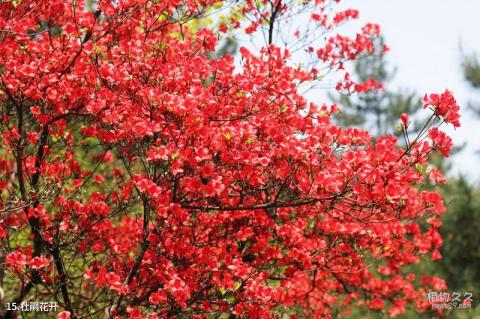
[(444, 105), (143, 178), (351, 87), (441, 141), (405, 118), (368, 85), (17, 261)]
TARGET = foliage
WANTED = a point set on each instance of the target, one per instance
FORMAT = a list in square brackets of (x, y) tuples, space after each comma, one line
[(471, 71), (460, 228)]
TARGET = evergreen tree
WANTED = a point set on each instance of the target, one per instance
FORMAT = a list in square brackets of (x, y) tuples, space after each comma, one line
[(461, 255), (471, 72), (376, 110)]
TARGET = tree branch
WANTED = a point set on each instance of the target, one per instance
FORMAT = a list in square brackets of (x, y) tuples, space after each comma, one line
[(139, 259), (275, 204)]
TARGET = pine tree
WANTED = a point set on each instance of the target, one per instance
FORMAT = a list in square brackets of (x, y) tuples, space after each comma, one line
[(471, 72), (376, 110)]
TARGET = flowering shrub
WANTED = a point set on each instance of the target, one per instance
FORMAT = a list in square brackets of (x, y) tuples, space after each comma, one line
[(143, 178)]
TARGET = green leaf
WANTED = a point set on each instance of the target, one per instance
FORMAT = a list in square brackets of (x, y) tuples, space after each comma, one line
[(421, 168), (236, 285), (223, 290)]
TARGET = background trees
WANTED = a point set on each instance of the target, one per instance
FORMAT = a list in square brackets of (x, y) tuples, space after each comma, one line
[(471, 70)]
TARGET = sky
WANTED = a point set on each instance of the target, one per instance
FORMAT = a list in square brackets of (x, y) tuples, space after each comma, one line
[(425, 37)]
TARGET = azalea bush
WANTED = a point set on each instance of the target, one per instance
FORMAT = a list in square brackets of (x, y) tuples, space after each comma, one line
[(143, 177)]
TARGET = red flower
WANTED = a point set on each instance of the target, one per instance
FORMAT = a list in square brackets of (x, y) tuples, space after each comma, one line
[(437, 177), (158, 297), (368, 85), (444, 105), (39, 262), (441, 141), (405, 118), (64, 315), (16, 260)]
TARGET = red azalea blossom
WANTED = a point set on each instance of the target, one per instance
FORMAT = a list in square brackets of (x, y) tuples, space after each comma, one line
[(441, 141), (64, 315), (444, 105), (405, 118), (370, 84), (144, 176), (39, 262), (436, 176), (16, 260)]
